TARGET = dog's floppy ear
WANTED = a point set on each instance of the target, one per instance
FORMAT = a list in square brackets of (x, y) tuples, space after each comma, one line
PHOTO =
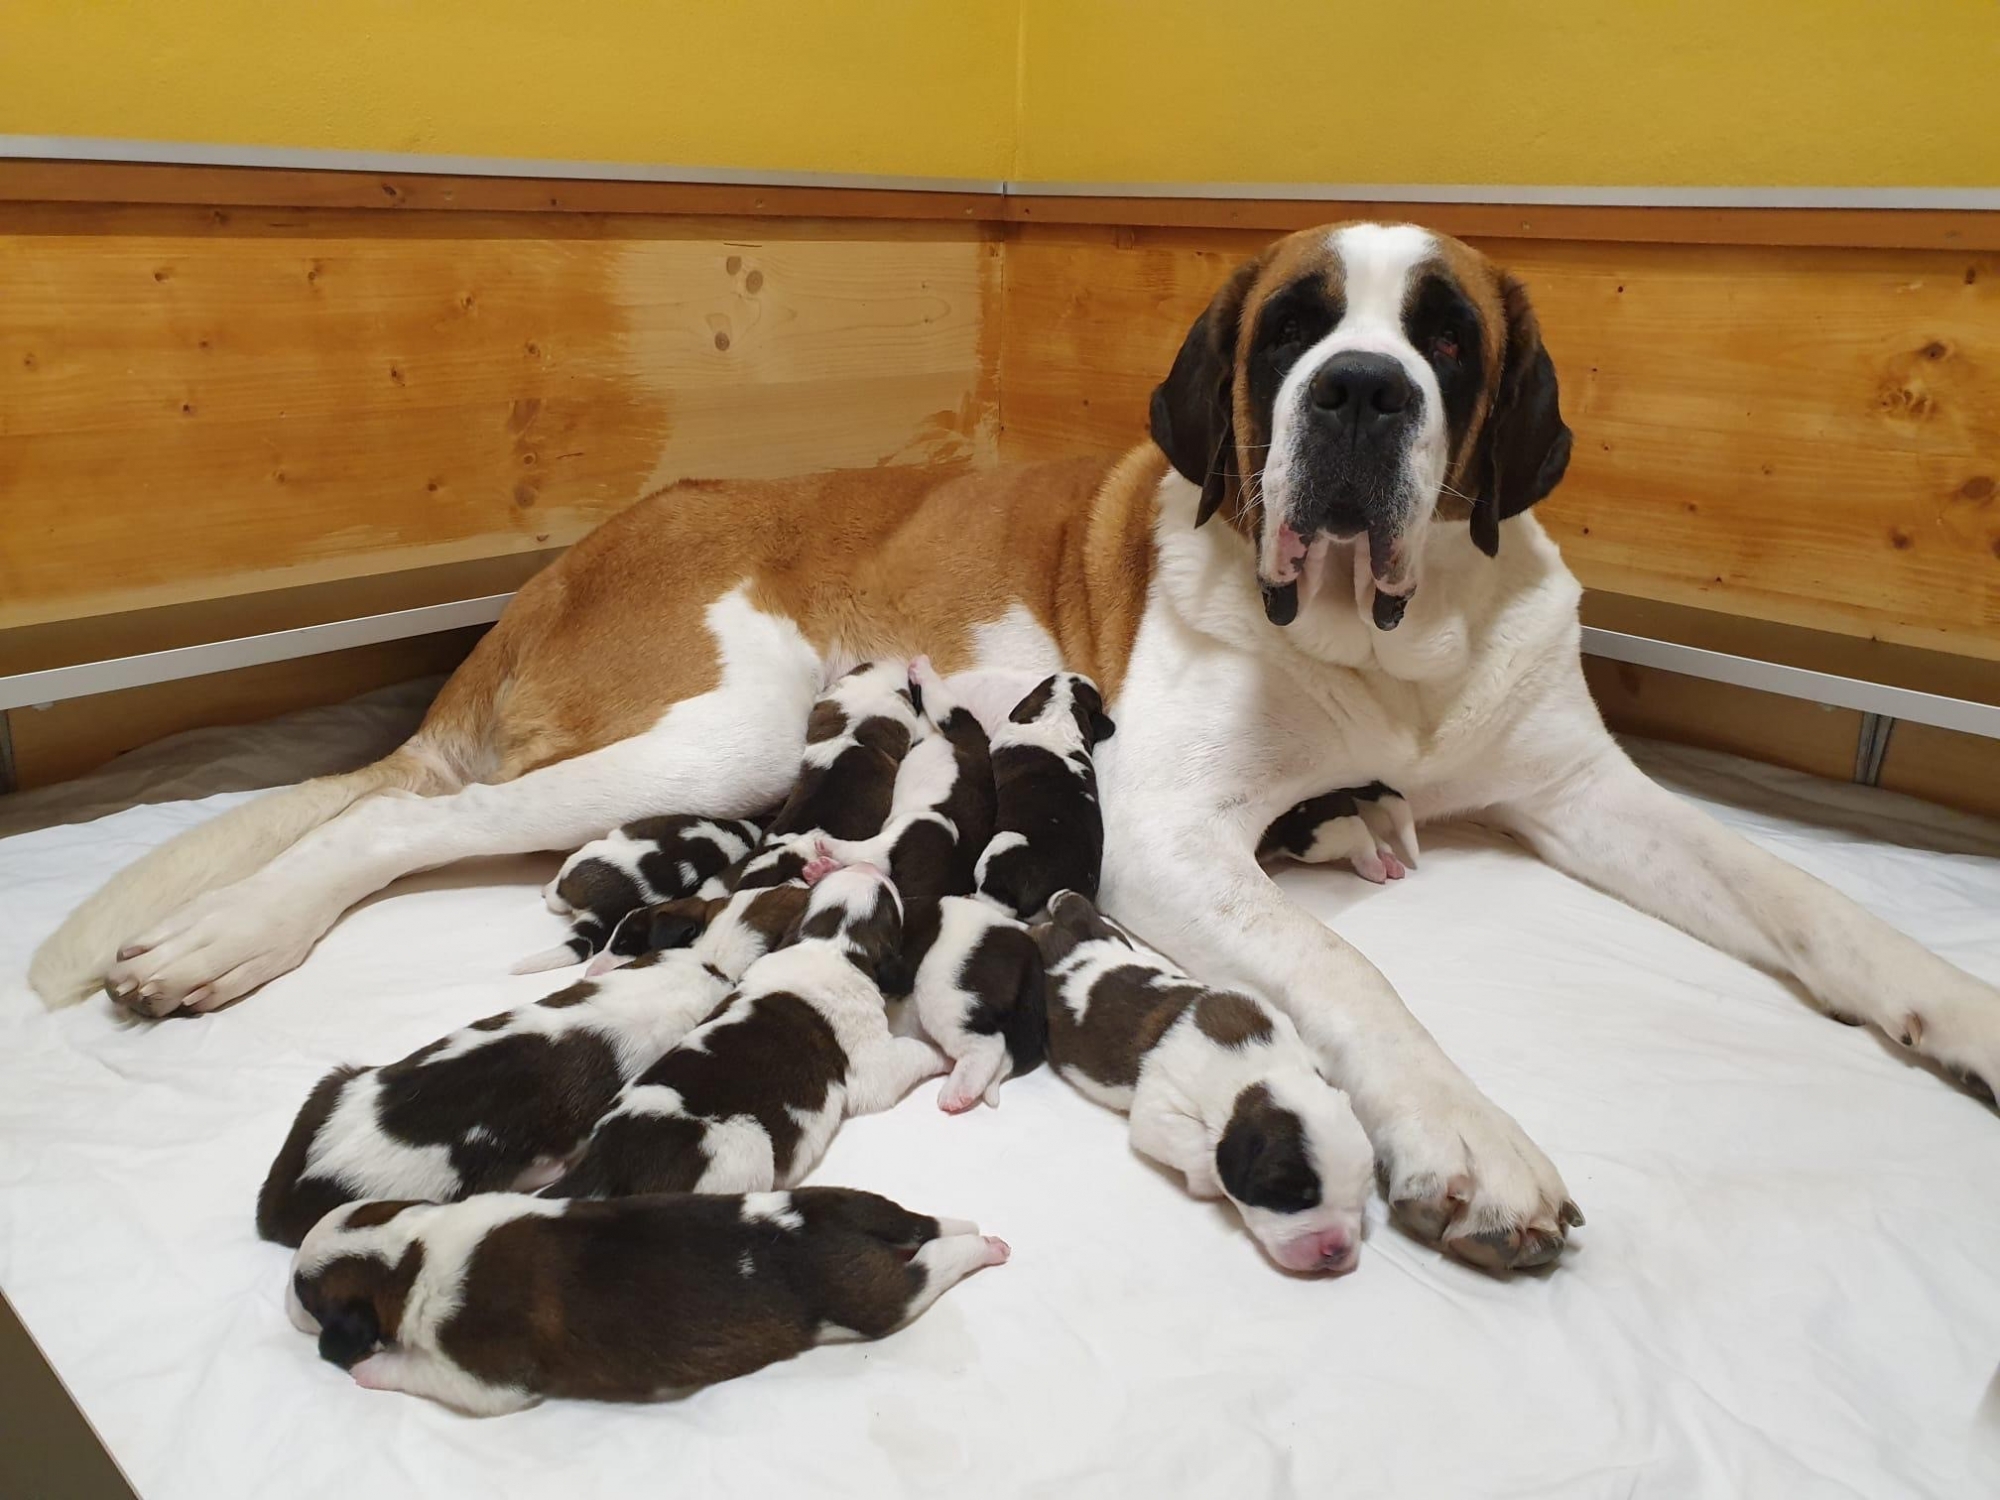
[(1524, 446), (673, 924), (1191, 414), (1090, 705), (1262, 1158), (892, 974), (348, 1332)]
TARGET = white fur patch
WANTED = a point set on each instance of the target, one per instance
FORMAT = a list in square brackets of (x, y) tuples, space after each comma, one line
[(771, 1208)]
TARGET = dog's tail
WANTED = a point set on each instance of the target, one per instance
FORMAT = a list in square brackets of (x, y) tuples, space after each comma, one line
[(74, 959)]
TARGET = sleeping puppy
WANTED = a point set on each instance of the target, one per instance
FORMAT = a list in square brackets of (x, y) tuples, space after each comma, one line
[(490, 1305), (638, 865), (1219, 1087), (860, 729), (941, 816), (1369, 826), (504, 1102), (1049, 830), (750, 1098), (979, 996)]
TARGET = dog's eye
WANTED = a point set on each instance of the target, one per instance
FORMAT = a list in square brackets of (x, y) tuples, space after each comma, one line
[(1445, 345), (1290, 342)]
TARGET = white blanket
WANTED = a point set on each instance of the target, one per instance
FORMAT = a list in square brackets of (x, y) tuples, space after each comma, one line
[(1789, 1285)]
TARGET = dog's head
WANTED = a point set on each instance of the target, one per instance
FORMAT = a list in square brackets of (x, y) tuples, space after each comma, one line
[(857, 908), (1348, 385), (1294, 1161), (351, 1277)]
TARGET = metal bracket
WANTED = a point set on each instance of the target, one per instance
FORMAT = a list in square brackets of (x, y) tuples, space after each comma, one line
[(1871, 746)]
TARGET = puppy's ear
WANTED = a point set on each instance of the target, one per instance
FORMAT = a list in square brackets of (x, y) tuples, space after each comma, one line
[(1262, 1158), (671, 924), (348, 1332), (1191, 417), (1524, 446), (1097, 723)]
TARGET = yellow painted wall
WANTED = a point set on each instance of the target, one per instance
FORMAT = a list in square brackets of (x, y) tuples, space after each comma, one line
[(1616, 92), (923, 87), (1657, 92)]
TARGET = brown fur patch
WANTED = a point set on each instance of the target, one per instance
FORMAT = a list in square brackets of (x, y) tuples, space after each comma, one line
[(1231, 1020), (1126, 1015), (369, 1215), (881, 562), (369, 1279)]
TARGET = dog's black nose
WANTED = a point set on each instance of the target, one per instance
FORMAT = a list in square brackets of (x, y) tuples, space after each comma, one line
[(1367, 390)]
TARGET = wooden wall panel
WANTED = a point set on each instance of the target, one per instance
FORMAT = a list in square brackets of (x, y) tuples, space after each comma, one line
[(1721, 716), (1809, 436), (196, 402), (1959, 770)]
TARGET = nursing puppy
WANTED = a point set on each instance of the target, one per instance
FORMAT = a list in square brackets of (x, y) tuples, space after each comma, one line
[(1370, 827), (638, 865), (979, 995), (940, 819), (493, 1304), (749, 1099), (1219, 1087), (1049, 829), (504, 1102), (859, 730)]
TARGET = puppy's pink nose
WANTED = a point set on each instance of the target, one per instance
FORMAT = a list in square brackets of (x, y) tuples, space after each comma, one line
[(1335, 1251)]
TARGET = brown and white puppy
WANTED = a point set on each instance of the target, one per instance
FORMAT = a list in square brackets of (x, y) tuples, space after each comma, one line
[(940, 820), (493, 1304), (641, 864), (1218, 1085), (506, 1101), (1048, 827), (1368, 826), (860, 729), (749, 1099), (979, 995)]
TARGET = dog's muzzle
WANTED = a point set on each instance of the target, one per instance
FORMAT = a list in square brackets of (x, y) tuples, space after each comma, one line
[(1360, 413)]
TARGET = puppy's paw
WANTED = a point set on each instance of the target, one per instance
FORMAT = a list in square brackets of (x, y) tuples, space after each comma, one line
[(819, 867), (998, 1251)]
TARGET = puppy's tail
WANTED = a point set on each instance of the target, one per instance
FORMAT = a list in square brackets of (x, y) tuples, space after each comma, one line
[(74, 959)]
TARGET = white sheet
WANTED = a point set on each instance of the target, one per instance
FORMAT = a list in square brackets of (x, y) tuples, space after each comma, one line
[(1790, 1282)]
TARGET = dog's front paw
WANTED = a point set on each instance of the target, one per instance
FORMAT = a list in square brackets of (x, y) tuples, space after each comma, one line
[(1957, 1027), (1462, 1175)]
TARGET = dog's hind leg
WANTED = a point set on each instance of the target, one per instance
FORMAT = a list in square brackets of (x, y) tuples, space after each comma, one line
[(731, 750)]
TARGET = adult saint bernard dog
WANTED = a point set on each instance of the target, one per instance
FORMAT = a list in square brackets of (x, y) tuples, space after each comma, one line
[(1316, 574)]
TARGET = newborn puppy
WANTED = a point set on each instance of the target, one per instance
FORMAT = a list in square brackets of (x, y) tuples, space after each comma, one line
[(940, 818), (640, 864), (749, 1099), (857, 735), (1049, 829), (504, 1102), (492, 1304), (1369, 826), (979, 996), (1219, 1087)]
